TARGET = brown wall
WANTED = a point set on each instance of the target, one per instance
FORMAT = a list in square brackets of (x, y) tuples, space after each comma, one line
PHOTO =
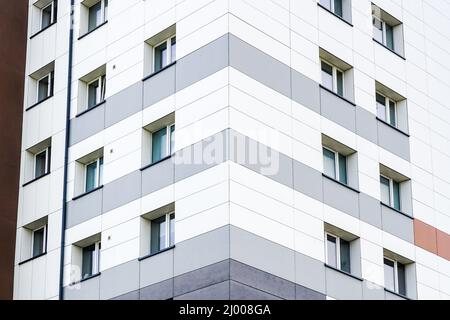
[(13, 39)]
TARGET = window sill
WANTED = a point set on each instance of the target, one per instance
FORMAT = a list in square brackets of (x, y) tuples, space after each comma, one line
[(343, 272), (389, 49), (334, 14), (91, 108), (159, 71), (156, 253), (38, 103), (86, 193), (42, 30), (398, 211), (35, 179), (156, 162), (397, 294), (33, 258), (395, 128), (89, 278), (342, 184), (334, 93), (89, 32)]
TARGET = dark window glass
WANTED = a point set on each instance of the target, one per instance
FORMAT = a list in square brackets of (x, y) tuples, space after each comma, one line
[(401, 279), (342, 169), (43, 88), (38, 242), (338, 7), (88, 261), (40, 164), (345, 255), (160, 56), (95, 16), (389, 37), (158, 235), (46, 16)]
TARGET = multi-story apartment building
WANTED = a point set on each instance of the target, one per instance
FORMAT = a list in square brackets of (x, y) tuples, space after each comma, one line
[(235, 149)]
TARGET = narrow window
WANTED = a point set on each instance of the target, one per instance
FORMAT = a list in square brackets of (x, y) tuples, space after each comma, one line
[(91, 260), (42, 163), (331, 251), (162, 143), (162, 233), (327, 75), (94, 174), (338, 253), (96, 91), (98, 14), (45, 87), (385, 190), (386, 109), (390, 192), (39, 241), (47, 16), (394, 276), (389, 274), (335, 165)]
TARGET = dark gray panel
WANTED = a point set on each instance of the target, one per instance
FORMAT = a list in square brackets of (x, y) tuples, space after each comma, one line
[(239, 291), (372, 291), (397, 224), (119, 280), (366, 125), (84, 208), (343, 287), (370, 210), (133, 295), (303, 293), (159, 86), (337, 110), (305, 91), (340, 197), (262, 280), (158, 291), (201, 278), (121, 191), (307, 181), (309, 272), (86, 290), (158, 176), (156, 268), (87, 125), (123, 104), (202, 63), (393, 141), (260, 66), (219, 291)]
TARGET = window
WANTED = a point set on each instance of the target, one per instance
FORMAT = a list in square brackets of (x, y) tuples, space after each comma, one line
[(387, 30), (338, 253), (42, 162), (39, 241), (48, 14), (390, 192), (394, 276), (45, 87), (96, 91), (332, 78), (162, 143), (164, 56), (90, 260), (335, 165), (98, 14), (162, 233), (334, 6), (94, 174), (386, 109)]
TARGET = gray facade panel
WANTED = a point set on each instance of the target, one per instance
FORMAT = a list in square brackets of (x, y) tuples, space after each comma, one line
[(122, 191), (343, 287), (219, 291), (133, 295), (156, 268), (366, 125), (309, 272), (397, 224), (239, 291), (340, 197), (260, 66), (87, 124), (159, 291), (86, 290), (261, 280), (281, 262), (372, 291), (337, 110), (202, 63), (158, 176), (119, 280), (370, 210), (159, 86), (390, 296), (123, 104), (393, 141), (202, 278), (305, 91), (303, 293), (307, 181), (84, 208)]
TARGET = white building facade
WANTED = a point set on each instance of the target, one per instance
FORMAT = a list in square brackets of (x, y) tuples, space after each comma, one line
[(235, 149)]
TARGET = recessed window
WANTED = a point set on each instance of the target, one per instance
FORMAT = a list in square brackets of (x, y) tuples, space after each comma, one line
[(90, 264), (336, 75), (45, 87), (332, 78), (162, 143), (39, 241), (390, 192), (92, 89), (391, 107), (96, 91), (334, 6), (338, 253), (88, 173), (158, 140), (394, 276), (42, 162), (386, 109), (395, 190), (335, 165), (164, 53), (387, 30), (41, 85), (160, 50), (94, 174), (98, 14), (162, 232), (48, 14)]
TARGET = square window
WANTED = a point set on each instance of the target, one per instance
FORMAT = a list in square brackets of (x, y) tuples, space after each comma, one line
[(97, 14)]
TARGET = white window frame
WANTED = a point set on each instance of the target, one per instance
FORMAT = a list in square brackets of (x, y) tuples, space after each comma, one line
[(387, 106), (334, 76), (331, 6), (168, 42), (336, 163), (101, 90), (44, 243), (95, 258), (396, 286), (97, 173), (391, 190), (49, 89), (52, 17), (47, 169), (168, 140), (167, 238), (338, 249), (102, 12), (383, 30)]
